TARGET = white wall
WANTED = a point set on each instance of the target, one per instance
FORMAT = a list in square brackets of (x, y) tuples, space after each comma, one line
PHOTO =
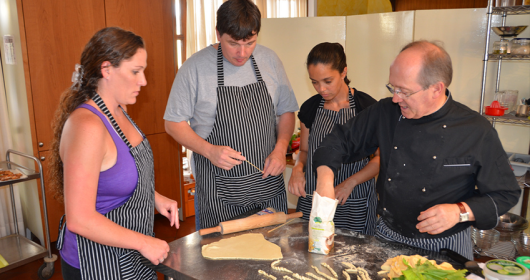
[(372, 43), (293, 38)]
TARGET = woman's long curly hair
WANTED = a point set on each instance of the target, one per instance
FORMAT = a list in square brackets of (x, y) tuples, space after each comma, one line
[(111, 44)]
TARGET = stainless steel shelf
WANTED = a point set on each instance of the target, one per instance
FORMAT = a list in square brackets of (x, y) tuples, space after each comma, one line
[(18, 250), (30, 173), (512, 10), (508, 119), (495, 57), (15, 248)]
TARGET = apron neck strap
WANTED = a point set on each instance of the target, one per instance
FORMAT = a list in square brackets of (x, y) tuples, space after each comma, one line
[(220, 69), (96, 98)]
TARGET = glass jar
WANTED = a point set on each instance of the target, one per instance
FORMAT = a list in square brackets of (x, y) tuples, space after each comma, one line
[(500, 47), (507, 98), (520, 46)]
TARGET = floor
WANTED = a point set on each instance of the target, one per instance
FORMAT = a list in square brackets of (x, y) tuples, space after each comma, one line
[(162, 230)]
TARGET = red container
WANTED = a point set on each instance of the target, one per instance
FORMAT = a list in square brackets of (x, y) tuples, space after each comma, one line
[(495, 109)]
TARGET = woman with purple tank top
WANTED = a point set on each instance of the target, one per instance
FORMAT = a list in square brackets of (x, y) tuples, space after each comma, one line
[(102, 165)]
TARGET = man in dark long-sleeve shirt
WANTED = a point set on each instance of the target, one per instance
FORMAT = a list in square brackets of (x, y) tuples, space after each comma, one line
[(434, 151)]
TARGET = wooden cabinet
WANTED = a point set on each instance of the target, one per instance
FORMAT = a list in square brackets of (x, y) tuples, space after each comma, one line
[(55, 207), (407, 5), (189, 200), (154, 21), (55, 32)]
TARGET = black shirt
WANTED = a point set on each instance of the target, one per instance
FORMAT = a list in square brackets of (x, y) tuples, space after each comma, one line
[(308, 110), (433, 160)]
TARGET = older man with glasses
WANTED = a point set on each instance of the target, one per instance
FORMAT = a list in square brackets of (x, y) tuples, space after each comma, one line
[(443, 167)]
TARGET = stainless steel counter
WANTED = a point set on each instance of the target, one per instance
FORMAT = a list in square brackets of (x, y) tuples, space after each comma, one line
[(185, 260)]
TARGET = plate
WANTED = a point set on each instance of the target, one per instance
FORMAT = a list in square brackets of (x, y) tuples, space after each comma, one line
[(11, 172)]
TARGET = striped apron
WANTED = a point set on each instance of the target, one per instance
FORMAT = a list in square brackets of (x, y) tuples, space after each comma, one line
[(245, 121), (99, 261), (459, 242), (359, 211)]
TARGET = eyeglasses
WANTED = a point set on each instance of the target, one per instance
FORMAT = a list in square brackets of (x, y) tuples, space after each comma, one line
[(401, 94)]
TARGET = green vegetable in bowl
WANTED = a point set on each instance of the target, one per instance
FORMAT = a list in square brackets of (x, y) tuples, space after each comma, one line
[(427, 271)]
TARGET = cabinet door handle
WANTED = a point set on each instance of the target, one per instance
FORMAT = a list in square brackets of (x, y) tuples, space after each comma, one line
[(191, 191), (41, 144), (42, 158)]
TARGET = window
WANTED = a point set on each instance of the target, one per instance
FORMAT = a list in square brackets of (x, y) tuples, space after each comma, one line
[(180, 30), (198, 18)]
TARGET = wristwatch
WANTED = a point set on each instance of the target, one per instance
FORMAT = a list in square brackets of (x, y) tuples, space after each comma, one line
[(464, 216)]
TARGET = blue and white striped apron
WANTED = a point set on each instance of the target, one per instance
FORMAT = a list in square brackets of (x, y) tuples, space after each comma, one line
[(459, 242), (245, 121), (99, 261), (359, 211)]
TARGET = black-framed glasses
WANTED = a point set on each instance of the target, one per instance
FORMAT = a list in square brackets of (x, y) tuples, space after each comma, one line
[(401, 94)]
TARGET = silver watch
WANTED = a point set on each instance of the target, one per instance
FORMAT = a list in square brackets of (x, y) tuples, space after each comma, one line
[(464, 216)]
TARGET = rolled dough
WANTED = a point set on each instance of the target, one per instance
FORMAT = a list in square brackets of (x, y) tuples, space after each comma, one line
[(250, 246)]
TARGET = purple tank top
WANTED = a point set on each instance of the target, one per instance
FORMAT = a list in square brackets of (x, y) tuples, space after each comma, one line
[(115, 186)]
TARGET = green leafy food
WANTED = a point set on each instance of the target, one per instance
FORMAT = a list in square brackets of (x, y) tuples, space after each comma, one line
[(427, 271)]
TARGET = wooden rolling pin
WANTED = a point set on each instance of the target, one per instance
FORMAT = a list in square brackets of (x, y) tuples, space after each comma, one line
[(251, 222)]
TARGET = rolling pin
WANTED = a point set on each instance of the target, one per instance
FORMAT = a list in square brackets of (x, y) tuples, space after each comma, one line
[(251, 222)]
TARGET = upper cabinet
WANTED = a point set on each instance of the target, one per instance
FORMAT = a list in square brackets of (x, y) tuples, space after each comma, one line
[(56, 32), (154, 21)]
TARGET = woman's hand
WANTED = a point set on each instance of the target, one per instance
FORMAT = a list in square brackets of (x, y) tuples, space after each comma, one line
[(297, 183), (168, 208), (343, 190), (154, 249)]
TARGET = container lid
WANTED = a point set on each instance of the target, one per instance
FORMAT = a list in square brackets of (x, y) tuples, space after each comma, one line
[(521, 39), (503, 269), (524, 260)]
